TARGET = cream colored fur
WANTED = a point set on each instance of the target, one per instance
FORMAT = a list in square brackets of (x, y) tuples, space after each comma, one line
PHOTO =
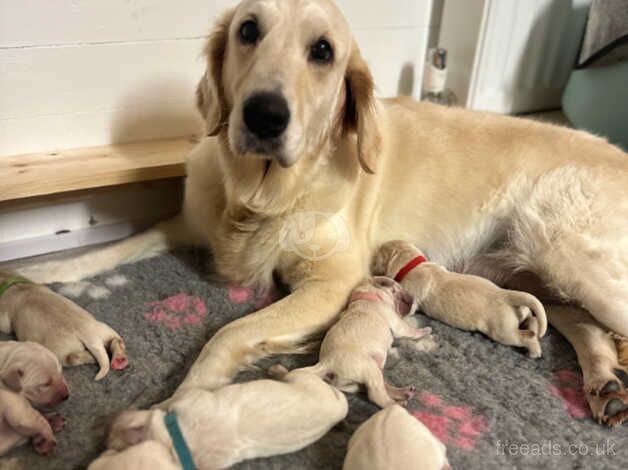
[(465, 301), (32, 371), (241, 421), (35, 313), (19, 422), (392, 439), (354, 350), (148, 455), (460, 184)]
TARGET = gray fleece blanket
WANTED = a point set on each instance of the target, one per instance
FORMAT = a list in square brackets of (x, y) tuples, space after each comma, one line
[(491, 405)]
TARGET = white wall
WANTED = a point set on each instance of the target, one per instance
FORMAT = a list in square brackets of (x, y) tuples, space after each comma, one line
[(79, 73), (511, 56)]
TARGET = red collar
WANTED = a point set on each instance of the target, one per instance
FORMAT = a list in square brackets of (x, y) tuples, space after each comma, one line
[(413, 263), (361, 295)]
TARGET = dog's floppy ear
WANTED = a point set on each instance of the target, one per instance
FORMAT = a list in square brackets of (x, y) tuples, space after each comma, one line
[(360, 110), (12, 379), (210, 99)]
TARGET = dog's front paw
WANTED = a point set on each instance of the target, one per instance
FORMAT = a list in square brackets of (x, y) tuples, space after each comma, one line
[(611, 408), (56, 421), (43, 445)]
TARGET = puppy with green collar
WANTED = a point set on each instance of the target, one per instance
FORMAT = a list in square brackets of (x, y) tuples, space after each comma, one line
[(209, 430)]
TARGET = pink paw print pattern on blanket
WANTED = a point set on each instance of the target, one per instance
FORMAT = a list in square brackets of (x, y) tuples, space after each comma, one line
[(567, 385), (242, 295), (453, 425), (177, 311)]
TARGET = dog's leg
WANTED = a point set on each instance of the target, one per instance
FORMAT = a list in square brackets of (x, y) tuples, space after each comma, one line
[(621, 343), (571, 232), (598, 359), (280, 327), (78, 358), (376, 388), (153, 242)]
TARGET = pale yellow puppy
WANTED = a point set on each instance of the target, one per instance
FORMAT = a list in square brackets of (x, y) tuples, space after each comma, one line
[(465, 301), (240, 421), (33, 312), (394, 440), (19, 422), (354, 350), (148, 455), (32, 371)]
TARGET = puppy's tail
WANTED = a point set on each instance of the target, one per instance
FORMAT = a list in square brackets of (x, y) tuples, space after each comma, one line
[(523, 299), (102, 358), (148, 244)]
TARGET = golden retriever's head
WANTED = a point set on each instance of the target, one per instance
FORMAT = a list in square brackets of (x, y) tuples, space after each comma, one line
[(283, 78)]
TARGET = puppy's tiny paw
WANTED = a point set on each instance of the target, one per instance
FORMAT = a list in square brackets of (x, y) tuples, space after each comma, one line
[(43, 445), (56, 421), (119, 363)]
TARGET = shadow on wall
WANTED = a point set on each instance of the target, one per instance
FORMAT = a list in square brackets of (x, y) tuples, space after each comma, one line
[(405, 86), (155, 111), (551, 52)]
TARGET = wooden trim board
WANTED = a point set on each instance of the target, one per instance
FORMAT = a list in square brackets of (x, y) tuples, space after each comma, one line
[(40, 174)]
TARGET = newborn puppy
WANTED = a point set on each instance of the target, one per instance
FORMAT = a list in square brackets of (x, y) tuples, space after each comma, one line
[(354, 350), (464, 301), (149, 455), (35, 313), (29, 373), (239, 421), (394, 440), (30, 370), (19, 421)]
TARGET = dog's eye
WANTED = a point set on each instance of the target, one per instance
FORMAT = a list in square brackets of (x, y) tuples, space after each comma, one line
[(321, 52), (249, 32)]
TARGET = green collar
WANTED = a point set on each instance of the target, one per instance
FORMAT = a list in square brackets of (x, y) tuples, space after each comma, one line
[(180, 446), (11, 281)]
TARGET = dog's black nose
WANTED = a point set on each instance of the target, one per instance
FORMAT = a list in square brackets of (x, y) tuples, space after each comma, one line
[(266, 114)]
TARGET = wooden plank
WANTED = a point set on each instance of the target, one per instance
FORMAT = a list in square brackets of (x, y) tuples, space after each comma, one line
[(39, 174)]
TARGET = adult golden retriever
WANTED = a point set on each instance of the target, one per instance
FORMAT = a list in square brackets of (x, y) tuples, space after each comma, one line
[(305, 173)]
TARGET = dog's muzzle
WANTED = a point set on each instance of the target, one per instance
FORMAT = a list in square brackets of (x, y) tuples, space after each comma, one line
[(266, 115)]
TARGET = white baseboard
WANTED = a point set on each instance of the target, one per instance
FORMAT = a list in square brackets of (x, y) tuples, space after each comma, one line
[(87, 219), (74, 239)]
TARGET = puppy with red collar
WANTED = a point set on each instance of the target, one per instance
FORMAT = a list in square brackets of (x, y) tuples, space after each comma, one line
[(464, 301), (354, 350)]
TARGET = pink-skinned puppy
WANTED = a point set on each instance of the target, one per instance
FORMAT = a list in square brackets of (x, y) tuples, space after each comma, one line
[(354, 350)]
